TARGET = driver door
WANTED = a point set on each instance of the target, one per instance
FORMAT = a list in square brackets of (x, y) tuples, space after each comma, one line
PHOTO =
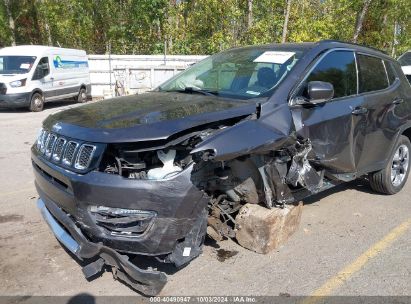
[(42, 78), (336, 128)]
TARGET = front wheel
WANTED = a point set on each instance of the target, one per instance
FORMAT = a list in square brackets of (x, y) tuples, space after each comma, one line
[(36, 102), (393, 177)]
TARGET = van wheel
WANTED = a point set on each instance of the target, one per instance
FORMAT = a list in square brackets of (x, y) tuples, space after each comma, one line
[(392, 178), (82, 96), (36, 103)]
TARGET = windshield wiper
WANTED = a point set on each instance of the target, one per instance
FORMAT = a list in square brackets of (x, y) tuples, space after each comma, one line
[(191, 90)]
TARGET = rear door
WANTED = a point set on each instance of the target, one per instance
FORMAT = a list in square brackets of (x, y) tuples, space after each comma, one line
[(380, 88), (336, 128)]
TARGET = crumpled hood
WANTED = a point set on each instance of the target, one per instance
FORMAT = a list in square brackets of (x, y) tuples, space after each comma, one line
[(150, 116)]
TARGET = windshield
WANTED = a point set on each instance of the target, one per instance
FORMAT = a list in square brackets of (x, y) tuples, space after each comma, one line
[(240, 73), (16, 64), (405, 59)]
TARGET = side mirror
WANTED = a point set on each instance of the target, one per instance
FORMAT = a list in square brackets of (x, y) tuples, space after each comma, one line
[(44, 66), (319, 91)]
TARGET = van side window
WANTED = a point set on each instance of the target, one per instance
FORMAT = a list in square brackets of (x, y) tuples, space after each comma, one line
[(390, 72), (337, 68), (42, 69), (371, 72)]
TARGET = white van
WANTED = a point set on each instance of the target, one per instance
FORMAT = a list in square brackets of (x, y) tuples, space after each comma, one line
[(31, 75)]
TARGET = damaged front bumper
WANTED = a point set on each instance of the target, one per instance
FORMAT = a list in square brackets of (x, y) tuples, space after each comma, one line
[(149, 282), (73, 205)]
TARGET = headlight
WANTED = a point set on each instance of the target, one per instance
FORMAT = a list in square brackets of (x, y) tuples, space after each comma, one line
[(39, 138), (122, 222), (18, 83)]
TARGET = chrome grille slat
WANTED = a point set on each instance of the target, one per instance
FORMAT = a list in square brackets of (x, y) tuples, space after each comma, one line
[(59, 148), (84, 156), (50, 145), (44, 141), (40, 139), (69, 153)]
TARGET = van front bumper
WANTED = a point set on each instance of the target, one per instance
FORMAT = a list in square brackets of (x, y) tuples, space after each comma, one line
[(17, 100)]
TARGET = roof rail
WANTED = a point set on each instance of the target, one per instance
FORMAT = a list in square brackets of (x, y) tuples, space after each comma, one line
[(352, 43)]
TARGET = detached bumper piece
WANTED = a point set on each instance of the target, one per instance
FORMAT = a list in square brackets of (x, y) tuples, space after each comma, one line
[(148, 282)]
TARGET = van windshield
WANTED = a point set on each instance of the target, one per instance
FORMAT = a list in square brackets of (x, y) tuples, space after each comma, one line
[(16, 64)]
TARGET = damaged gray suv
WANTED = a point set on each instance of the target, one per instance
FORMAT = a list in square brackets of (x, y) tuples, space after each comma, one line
[(140, 177)]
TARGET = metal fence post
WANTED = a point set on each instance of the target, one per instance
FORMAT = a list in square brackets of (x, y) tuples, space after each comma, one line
[(109, 67)]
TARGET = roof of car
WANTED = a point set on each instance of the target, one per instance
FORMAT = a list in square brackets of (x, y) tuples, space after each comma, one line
[(323, 44), (345, 44)]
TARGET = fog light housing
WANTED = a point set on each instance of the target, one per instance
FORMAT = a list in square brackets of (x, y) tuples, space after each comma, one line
[(122, 222)]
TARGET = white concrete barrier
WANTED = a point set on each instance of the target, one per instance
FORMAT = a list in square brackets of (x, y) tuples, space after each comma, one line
[(134, 73)]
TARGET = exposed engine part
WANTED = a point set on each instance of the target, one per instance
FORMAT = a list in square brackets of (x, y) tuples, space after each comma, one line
[(279, 193), (221, 218), (146, 165), (269, 195), (238, 179), (168, 169), (230, 185), (301, 171), (143, 161)]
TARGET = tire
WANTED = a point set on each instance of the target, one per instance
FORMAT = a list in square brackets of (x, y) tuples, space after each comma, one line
[(82, 96), (393, 177), (36, 103)]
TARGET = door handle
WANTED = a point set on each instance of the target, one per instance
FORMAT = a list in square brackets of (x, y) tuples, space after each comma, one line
[(359, 111), (397, 101)]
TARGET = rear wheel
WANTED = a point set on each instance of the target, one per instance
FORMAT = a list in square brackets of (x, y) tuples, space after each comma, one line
[(36, 103), (393, 177), (82, 96)]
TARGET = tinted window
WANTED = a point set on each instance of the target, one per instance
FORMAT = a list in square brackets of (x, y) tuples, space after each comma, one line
[(371, 73), (42, 69), (390, 71), (339, 69)]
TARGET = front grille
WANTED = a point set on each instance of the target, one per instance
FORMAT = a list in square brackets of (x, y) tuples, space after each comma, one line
[(68, 153), (3, 89), (84, 156)]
